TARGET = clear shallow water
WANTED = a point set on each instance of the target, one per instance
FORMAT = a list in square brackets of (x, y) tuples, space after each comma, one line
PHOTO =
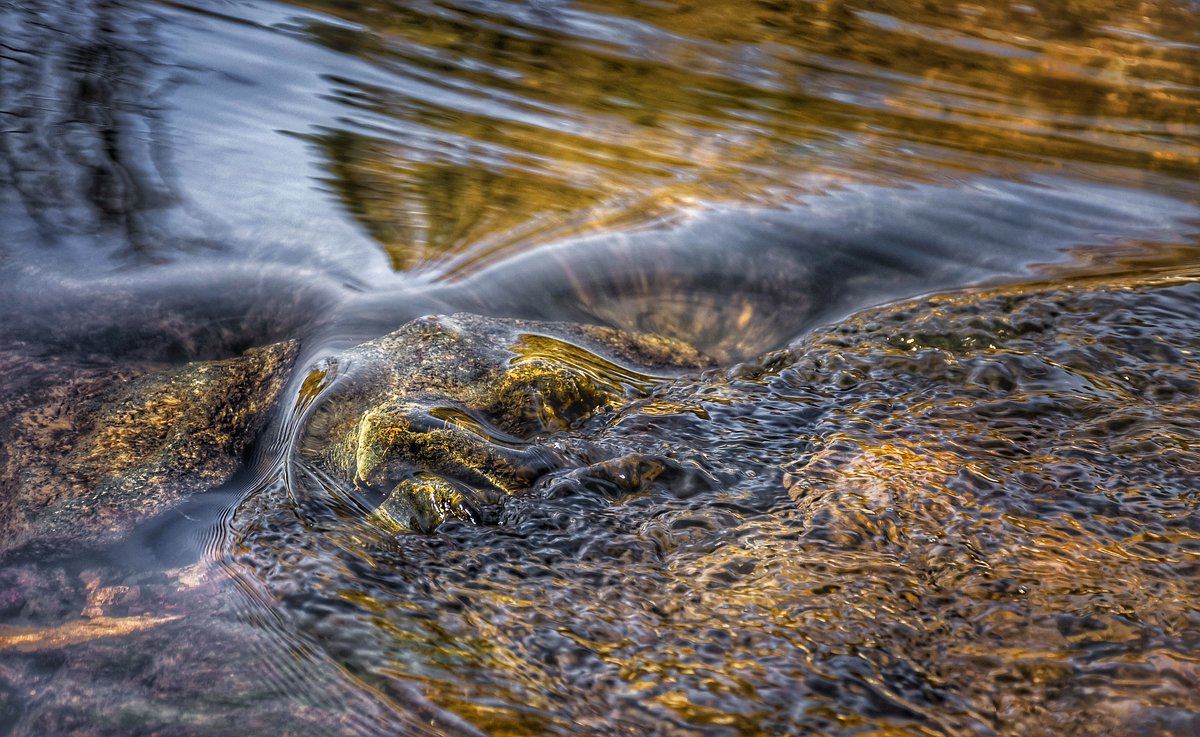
[(184, 181)]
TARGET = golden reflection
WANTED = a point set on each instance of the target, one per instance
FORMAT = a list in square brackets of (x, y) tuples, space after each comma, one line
[(962, 550), (500, 129), (544, 349), (318, 379), (32, 640)]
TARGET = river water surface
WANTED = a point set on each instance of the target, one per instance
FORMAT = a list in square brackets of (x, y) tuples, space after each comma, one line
[(944, 256)]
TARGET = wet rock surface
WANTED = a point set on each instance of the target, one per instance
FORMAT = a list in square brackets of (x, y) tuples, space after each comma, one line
[(971, 513), (90, 452), (967, 514), (449, 414), (99, 649)]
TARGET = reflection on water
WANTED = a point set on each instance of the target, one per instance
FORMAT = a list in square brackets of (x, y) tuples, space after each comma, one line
[(85, 145), (738, 282), (503, 122), (968, 513), (455, 133)]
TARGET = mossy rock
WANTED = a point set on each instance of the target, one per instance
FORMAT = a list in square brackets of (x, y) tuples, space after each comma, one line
[(88, 453)]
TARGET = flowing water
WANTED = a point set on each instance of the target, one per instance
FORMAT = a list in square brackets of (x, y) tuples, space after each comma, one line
[(941, 479)]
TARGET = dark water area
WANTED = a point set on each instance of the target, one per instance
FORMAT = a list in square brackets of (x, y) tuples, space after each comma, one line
[(934, 475)]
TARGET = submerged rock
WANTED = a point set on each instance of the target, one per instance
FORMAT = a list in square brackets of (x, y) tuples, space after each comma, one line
[(971, 513), (89, 453), (448, 414), (435, 419)]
